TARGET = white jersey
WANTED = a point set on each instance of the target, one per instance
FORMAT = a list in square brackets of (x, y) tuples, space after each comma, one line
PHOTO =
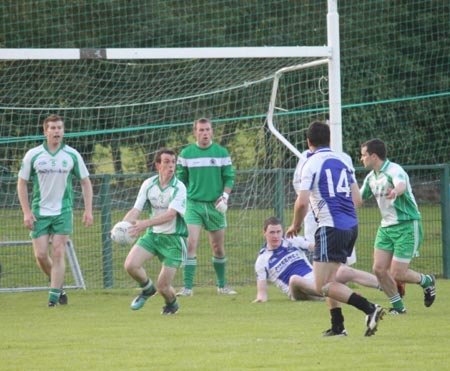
[(402, 208), (159, 200), (280, 264), (52, 178)]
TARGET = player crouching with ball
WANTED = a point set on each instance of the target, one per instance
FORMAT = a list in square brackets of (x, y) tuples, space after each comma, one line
[(165, 232)]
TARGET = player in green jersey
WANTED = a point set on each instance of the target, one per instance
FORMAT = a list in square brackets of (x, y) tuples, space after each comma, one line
[(400, 234), (205, 168), (165, 232), (50, 167)]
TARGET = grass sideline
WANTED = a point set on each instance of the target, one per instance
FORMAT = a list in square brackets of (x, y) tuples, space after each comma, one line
[(98, 331)]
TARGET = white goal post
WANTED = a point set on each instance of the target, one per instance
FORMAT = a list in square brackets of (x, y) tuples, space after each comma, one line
[(71, 258), (334, 81)]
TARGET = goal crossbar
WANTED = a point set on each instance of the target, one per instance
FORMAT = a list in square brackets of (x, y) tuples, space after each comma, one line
[(164, 53)]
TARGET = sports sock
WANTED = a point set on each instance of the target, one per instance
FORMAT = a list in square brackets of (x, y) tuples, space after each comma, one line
[(189, 272), (147, 286), (172, 303), (397, 302), (53, 295), (425, 280), (337, 320), (219, 268), (361, 303)]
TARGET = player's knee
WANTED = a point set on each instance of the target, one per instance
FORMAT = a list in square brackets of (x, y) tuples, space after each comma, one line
[(344, 274), (326, 289)]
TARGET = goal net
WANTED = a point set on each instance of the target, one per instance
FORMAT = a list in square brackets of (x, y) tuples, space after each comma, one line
[(119, 109), (118, 113)]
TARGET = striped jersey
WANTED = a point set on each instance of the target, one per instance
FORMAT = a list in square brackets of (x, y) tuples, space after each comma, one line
[(403, 207), (205, 171), (329, 177), (280, 264), (51, 174), (158, 200)]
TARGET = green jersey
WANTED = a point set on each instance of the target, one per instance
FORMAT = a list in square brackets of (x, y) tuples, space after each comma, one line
[(205, 171), (402, 208)]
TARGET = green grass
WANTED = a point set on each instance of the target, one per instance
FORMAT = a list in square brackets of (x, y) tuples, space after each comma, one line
[(98, 331)]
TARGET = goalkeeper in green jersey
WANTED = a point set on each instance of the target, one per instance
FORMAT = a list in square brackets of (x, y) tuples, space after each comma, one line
[(205, 168)]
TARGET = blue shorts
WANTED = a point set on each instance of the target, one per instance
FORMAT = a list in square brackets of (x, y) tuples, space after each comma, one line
[(334, 245)]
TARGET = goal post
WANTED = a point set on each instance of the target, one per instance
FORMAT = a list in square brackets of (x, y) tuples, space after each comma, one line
[(334, 85), (10, 275)]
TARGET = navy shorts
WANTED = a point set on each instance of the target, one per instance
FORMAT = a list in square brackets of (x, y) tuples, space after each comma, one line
[(334, 245)]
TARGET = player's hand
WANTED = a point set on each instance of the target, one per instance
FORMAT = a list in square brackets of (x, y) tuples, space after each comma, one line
[(391, 194), (292, 231), (29, 220), (222, 203), (88, 219), (137, 227)]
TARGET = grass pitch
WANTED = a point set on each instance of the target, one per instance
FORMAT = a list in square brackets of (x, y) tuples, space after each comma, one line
[(98, 331)]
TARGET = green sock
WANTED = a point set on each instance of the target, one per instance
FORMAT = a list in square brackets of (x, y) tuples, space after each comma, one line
[(173, 303), (219, 268), (397, 302), (53, 295), (425, 281), (189, 272)]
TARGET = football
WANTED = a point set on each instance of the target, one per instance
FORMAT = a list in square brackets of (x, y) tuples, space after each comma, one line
[(119, 234)]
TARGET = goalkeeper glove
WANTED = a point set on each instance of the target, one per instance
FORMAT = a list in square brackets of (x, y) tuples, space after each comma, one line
[(222, 203)]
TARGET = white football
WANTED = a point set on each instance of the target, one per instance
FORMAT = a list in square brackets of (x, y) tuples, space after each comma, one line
[(120, 235)]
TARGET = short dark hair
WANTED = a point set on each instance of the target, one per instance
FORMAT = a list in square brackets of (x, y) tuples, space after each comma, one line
[(273, 220), (163, 151), (52, 118), (376, 146), (318, 134), (202, 120)]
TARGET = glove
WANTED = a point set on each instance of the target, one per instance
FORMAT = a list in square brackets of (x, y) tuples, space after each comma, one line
[(222, 203)]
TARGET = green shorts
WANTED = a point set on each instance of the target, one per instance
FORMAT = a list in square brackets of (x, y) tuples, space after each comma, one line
[(51, 225), (171, 249), (206, 215), (403, 239)]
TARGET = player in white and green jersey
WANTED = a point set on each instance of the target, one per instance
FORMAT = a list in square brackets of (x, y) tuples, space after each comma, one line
[(401, 233), (51, 167), (164, 196), (207, 171)]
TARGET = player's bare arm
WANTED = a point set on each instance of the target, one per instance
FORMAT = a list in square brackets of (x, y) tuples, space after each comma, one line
[(139, 226), (86, 188), (399, 189), (300, 209), (28, 216), (356, 195), (261, 291)]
